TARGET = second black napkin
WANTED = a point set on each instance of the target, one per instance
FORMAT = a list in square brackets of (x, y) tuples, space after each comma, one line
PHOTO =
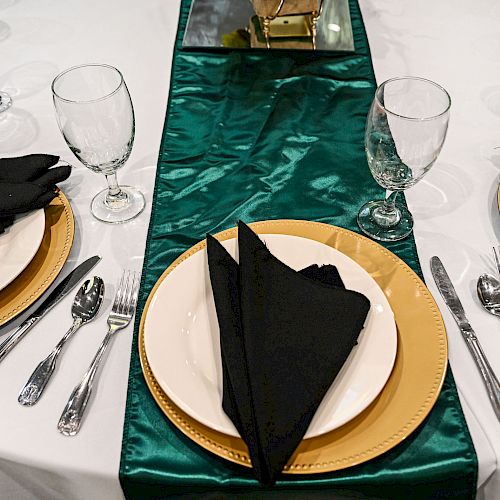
[(27, 183), (284, 336)]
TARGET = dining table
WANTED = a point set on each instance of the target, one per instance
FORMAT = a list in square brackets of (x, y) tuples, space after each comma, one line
[(455, 207)]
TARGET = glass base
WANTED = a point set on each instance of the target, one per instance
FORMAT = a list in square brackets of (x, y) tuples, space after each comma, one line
[(367, 221), (129, 206), (5, 101)]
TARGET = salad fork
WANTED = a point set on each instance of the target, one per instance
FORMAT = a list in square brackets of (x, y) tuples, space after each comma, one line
[(122, 312)]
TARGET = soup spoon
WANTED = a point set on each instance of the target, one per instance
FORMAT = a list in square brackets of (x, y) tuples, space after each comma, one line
[(85, 306), (488, 291)]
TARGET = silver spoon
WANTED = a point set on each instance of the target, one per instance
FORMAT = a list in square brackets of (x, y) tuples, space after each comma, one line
[(488, 291), (87, 302)]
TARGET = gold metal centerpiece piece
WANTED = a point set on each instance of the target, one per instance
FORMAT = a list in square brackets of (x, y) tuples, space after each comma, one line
[(286, 19)]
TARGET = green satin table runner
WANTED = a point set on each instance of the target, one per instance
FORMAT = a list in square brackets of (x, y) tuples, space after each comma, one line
[(272, 135)]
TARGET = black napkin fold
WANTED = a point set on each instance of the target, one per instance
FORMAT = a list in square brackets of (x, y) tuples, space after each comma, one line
[(284, 336), (27, 183)]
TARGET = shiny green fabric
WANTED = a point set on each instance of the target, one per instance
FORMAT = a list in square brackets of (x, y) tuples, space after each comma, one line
[(268, 135)]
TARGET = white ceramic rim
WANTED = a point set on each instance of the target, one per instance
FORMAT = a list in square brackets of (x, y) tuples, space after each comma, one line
[(19, 244)]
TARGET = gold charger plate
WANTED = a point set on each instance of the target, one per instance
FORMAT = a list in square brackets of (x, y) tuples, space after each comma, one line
[(46, 264), (406, 399)]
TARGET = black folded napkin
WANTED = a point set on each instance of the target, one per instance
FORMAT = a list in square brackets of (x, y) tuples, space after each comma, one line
[(284, 336), (28, 183)]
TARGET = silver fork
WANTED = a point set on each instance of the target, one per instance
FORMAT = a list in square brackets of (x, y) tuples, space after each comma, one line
[(122, 312)]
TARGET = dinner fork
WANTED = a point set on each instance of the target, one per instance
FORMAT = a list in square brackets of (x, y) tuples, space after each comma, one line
[(121, 314)]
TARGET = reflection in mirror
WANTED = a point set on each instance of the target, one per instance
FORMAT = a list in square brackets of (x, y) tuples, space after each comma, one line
[(293, 24)]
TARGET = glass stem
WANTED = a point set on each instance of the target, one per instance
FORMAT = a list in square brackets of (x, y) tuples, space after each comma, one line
[(388, 214), (390, 201), (113, 187), (115, 197)]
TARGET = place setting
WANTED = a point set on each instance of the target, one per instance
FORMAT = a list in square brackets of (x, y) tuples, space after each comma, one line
[(37, 227), (381, 393), (254, 361)]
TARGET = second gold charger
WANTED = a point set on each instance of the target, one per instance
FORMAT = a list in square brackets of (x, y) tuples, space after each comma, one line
[(47, 263), (406, 399)]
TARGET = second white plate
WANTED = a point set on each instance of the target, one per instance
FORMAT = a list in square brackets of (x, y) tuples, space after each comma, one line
[(19, 244), (181, 337)]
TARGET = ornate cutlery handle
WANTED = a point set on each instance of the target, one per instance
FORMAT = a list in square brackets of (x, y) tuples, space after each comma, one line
[(71, 418), (35, 386), (490, 380), (33, 389)]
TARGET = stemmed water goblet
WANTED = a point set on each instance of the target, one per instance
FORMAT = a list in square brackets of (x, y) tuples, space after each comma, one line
[(5, 98), (95, 115), (405, 131), (5, 101)]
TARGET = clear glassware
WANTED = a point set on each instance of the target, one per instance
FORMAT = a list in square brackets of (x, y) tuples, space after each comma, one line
[(5, 101), (405, 131), (96, 117)]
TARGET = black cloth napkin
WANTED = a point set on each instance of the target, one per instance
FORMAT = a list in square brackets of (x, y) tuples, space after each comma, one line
[(27, 183), (284, 336)]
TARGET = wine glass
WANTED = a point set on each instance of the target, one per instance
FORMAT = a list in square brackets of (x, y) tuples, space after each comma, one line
[(405, 131), (5, 101), (95, 115)]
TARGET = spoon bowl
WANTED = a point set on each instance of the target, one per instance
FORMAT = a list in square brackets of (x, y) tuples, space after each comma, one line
[(488, 291), (88, 300)]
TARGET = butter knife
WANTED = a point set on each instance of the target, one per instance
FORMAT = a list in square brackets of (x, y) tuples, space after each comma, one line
[(60, 291), (451, 299)]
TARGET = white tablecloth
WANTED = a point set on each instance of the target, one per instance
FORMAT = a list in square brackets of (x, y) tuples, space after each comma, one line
[(456, 43)]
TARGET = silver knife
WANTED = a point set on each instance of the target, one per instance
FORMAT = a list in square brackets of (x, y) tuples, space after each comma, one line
[(451, 299), (60, 291)]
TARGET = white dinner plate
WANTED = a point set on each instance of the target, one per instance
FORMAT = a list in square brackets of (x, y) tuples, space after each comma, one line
[(181, 338), (19, 244)]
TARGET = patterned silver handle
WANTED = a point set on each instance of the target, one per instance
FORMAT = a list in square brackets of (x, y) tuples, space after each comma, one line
[(489, 378), (71, 418), (33, 389), (36, 384)]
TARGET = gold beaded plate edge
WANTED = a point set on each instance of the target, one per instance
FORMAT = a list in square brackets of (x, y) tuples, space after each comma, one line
[(409, 394), (47, 263)]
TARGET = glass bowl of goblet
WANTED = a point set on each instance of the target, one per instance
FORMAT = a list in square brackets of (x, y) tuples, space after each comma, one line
[(95, 115), (405, 131)]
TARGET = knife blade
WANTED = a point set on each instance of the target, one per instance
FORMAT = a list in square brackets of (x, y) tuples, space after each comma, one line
[(447, 291), (59, 292)]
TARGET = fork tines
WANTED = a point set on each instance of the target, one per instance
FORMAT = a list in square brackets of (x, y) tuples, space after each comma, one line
[(126, 293)]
